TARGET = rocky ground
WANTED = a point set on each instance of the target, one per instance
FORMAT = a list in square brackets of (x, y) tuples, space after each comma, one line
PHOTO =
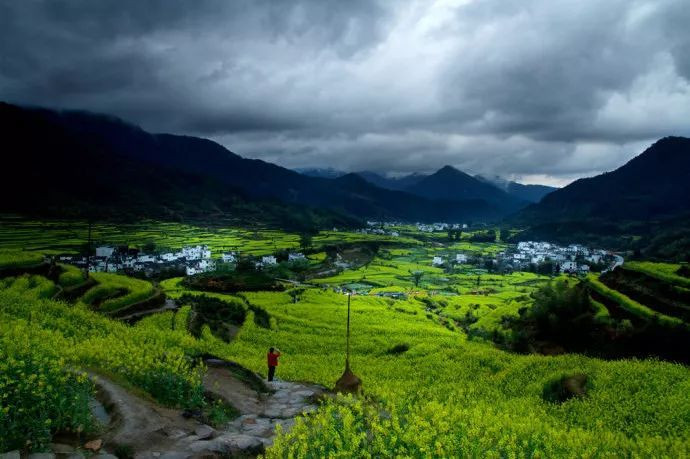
[(143, 429)]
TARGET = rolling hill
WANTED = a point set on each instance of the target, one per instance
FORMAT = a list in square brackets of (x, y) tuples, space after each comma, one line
[(644, 201), (451, 184), (71, 162), (529, 193)]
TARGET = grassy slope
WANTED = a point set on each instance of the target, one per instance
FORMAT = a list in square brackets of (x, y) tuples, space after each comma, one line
[(117, 290), (17, 258), (460, 393), (665, 272), (629, 304)]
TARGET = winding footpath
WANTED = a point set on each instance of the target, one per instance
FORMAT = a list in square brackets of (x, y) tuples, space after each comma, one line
[(156, 432)]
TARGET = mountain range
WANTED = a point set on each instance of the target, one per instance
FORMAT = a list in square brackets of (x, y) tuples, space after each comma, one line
[(448, 183), (79, 163), (70, 163)]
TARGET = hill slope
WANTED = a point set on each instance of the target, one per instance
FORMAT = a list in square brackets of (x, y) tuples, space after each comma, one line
[(73, 164), (77, 161), (529, 193), (645, 199), (451, 184), (653, 185), (399, 183)]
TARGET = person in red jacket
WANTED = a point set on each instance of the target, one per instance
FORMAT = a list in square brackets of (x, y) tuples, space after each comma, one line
[(272, 358)]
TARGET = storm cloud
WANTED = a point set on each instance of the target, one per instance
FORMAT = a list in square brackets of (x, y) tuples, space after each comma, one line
[(537, 90)]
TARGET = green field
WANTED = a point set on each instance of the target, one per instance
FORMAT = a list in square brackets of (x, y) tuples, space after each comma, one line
[(17, 258), (72, 236), (630, 305), (434, 383), (667, 272), (114, 292)]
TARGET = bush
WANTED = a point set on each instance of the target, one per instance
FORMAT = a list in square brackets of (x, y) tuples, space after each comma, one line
[(39, 397), (215, 313), (398, 349), (564, 387), (70, 276)]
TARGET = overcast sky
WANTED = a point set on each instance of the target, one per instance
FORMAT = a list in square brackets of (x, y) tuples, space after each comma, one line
[(542, 91)]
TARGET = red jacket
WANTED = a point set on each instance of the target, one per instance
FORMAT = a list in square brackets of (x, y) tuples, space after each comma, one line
[(272, 359)]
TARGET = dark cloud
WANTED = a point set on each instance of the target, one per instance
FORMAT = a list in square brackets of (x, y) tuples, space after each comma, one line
[(537, 89)]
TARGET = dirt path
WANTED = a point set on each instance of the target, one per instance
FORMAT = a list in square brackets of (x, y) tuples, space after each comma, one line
[(153, 431), (222, 382), (139, 422)]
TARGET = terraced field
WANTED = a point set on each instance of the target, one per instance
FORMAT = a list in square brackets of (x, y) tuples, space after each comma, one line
[(434, 386), (17, 258), (60, 236), (646, 291)]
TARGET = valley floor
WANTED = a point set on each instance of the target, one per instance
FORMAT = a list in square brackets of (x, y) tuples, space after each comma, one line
[(434, 384)]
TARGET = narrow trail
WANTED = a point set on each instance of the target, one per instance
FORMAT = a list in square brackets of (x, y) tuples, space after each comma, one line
[(153, 431)]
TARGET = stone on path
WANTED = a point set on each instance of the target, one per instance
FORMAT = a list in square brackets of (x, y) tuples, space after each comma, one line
[(204, 432), (93, 445)]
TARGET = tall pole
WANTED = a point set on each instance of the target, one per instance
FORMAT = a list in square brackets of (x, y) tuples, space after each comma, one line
[(88, 251), (347, 354)]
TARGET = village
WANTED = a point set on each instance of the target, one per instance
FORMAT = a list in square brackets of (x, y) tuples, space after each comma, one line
[(544, 257), (189, 260)]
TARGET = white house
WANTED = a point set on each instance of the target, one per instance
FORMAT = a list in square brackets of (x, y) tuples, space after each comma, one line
[(206, 265), (461, 258), (104, 251), (168, 256), (229, 257), (594, 258), (268, 260), (196, 253), (569, 267), (295, 256)]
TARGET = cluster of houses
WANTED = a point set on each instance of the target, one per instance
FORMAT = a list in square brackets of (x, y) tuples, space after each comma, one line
[(572, 259), (430, 228), (460, 258), (192, 260), (379, 231)]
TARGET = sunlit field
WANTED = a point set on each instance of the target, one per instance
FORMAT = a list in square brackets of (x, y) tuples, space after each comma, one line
[(434, 383)]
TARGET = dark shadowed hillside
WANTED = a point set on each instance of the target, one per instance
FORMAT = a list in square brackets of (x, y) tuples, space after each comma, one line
[(82, 165), (451, 184), (79, 163), (529, 193), (653, 185), (645, 201), (391, 183)]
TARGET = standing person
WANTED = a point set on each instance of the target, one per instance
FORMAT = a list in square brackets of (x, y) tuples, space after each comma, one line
[(272, 358)]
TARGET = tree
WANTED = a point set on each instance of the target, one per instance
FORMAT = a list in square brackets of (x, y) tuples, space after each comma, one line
[(305, 240), (417, 277), (502, 234), (295, 294)]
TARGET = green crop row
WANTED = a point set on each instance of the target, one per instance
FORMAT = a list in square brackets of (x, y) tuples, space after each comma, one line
[(630, 305)]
